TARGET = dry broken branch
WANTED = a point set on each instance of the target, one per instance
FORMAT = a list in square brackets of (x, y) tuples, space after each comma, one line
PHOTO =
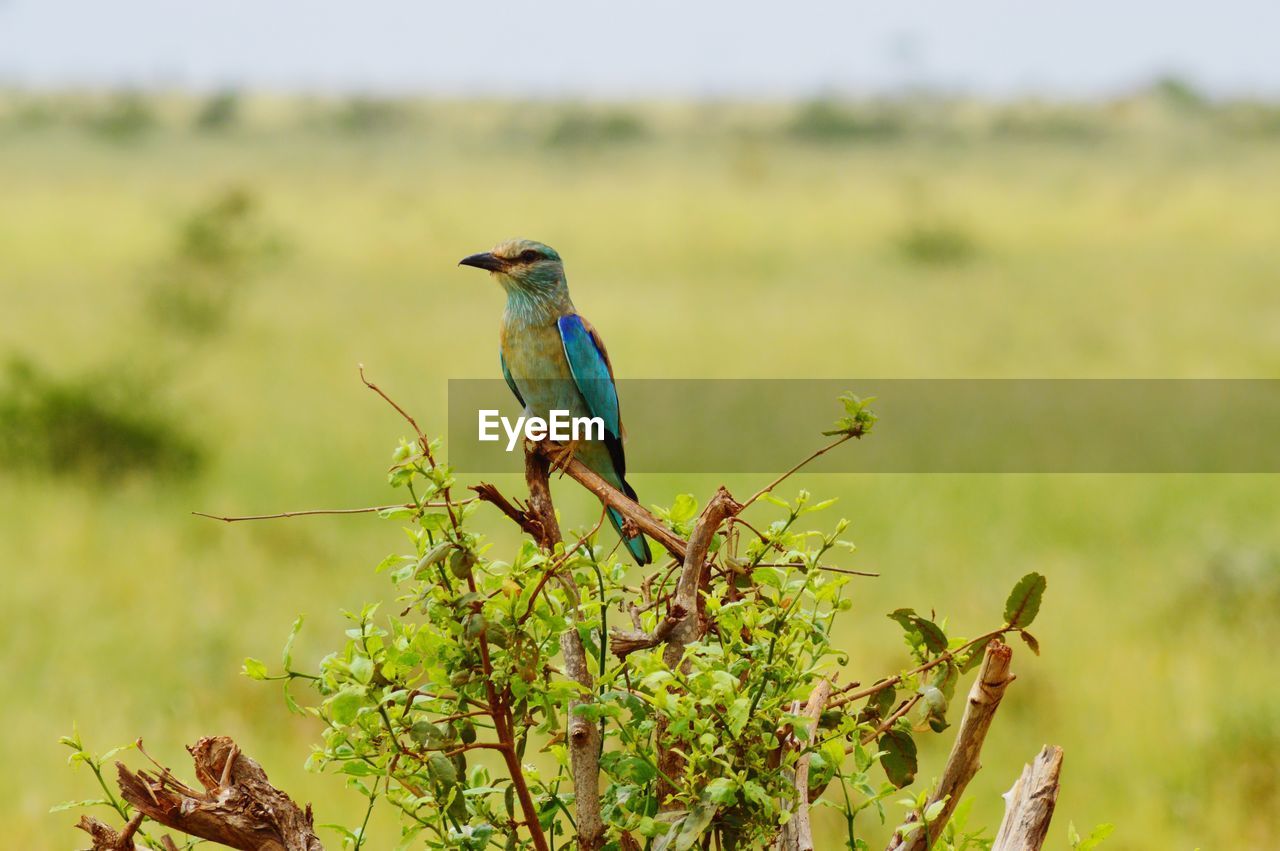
[(962, 764), (1028, 806), (238, 807)]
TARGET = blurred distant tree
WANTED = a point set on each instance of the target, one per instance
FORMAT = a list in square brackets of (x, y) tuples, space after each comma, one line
[(126, 117), (577, 127), (103, 426), (711, 717), (220, 248), (219, 112), (827, 120)]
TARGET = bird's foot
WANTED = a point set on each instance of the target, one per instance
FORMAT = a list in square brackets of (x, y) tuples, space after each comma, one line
[(561, 454)]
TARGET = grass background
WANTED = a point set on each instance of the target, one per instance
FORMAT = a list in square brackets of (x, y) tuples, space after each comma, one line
[(917, 238)]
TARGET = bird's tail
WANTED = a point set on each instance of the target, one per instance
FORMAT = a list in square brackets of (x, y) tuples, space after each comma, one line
[(636, 544)]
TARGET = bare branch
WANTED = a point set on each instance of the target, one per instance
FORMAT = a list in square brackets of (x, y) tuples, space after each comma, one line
[(797, 834), (962, 764), (887, 725), (309, 512), (627, 507), (689, 626), (582, 735), (827, 567), (105, 838), (721, 507), (1028, 806), (238, 807), (622, 643), (814, 455)]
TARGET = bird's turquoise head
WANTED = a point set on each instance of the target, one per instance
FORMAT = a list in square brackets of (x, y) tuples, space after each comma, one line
[(523, 267)]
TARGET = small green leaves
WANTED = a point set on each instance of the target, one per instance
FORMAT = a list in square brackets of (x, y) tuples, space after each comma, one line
[(858, 418), (1093, 840), (898, 757), (254, 669), (929, 633), (1024, 601)]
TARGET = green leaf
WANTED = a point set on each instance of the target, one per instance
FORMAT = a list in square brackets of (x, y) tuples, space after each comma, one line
[(1024, 601), (362, 668), (1093, 840), (344, 705), (286, 657), (254, 669), (931, 635), (684, 509), (1030, 640), (899, 757), (722, 790)]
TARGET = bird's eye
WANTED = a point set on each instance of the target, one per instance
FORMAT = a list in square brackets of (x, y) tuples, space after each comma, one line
[(529, 256)]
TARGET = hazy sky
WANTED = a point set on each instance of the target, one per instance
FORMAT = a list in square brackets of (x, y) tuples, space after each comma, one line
[(658, 47)]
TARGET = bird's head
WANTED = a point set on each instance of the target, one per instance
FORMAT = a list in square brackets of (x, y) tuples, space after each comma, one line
[(522, 265)]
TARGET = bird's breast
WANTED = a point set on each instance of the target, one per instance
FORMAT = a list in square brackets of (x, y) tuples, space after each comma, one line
[(535, 357)]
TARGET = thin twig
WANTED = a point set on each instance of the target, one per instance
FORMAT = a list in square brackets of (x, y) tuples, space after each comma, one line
[(826, 567), (816, 454), (314, 511)]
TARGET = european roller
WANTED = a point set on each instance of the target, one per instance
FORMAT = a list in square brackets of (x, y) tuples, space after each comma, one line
[(553, 359)]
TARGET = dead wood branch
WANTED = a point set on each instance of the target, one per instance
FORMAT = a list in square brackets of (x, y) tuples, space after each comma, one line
[(721, 507), (105, 838), (797, 834), (963, 762), (1028, 806), (238, 807), (689, 627), (582, 735)]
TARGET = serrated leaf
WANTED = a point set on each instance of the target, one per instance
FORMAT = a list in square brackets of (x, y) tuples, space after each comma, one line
[(1024, 600)]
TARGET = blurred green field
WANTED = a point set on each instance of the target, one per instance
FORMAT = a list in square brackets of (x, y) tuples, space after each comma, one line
[(716, 240)]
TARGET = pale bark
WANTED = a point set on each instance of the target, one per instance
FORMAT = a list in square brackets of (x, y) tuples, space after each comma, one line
[(1028, 806), (963, 762), (797, 834), (582, 735)]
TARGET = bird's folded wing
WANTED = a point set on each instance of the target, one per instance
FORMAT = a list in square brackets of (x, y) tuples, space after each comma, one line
[(592, 372)]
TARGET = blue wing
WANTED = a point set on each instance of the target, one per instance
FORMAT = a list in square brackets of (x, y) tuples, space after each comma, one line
[(591, 370), (593, 375), (511, 382)]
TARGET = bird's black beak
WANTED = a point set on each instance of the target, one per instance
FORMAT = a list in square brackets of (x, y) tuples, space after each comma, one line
[(484, 260)]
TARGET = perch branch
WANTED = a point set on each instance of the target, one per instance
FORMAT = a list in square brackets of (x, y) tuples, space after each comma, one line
[(963, 762), (627, 507), (1028, 807)]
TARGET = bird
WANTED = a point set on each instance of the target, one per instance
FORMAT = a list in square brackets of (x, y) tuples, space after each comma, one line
[(553, 359)]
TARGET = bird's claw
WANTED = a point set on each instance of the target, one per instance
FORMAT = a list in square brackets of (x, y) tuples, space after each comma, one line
[(561, 454)]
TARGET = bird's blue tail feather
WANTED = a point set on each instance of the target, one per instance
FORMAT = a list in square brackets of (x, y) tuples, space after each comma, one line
[(636, 544)]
